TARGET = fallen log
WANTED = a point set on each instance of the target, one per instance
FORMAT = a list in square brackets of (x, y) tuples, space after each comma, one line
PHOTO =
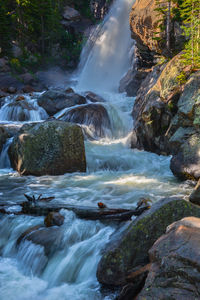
[(83, 212)]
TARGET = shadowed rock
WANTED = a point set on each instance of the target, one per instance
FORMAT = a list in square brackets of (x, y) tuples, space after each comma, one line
[(95, 116), (55, 100), (129, 249)]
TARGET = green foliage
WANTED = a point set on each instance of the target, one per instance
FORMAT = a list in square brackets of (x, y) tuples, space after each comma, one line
[(181, 78), (190, 12)]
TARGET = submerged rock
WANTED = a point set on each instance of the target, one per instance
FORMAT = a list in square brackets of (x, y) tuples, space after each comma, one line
[(48, 148), (55, 100), (49, 238), (175, 258), (130, 248), (95, 116), (54, 218)]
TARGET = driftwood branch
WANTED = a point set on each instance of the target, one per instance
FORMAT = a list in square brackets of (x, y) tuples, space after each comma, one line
[(42, 207), (83, 212)]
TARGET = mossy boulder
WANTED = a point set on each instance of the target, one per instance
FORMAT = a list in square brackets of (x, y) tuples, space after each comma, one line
[(130, 248), (155, 106), (48, 148)]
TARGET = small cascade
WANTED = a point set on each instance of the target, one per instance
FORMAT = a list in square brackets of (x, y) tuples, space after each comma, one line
[(4, 158), (25, 109)]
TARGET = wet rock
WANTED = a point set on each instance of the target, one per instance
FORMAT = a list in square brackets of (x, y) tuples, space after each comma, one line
[(19, 98), (55, 100), (30, 89), (49, 238), (175, 258), (54, 219), (186, 163), (11, 90), (93, 97), (48, 148), (129, 248), (19, 110), (10, 129), (95, 116), (195, 195)]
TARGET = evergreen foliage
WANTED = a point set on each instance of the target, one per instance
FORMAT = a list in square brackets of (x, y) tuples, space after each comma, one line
[(190, 13), (186, 13)]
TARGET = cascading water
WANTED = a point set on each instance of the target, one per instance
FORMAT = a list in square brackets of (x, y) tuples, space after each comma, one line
[(116, 175), (110, 56)]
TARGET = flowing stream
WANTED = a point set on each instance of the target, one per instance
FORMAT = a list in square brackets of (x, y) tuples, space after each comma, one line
[(116, 175)]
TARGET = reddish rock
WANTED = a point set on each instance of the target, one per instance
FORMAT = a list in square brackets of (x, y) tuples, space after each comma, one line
[(175, 258), (54, 219)]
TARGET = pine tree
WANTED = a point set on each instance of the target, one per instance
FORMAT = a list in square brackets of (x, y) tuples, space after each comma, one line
[(190, 12)]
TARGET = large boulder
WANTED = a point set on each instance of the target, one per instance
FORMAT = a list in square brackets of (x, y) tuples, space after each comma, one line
[(95, 116), (186, 163), (175, 258), (55, 100), (51, 147), (130, 248)]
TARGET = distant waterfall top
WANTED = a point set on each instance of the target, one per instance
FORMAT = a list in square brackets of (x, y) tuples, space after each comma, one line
[(109, 58)]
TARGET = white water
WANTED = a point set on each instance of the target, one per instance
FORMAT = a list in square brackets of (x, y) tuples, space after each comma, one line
[(116, 175), (110, 56)]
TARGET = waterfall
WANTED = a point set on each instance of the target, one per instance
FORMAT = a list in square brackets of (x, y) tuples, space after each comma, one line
[(105, 63)]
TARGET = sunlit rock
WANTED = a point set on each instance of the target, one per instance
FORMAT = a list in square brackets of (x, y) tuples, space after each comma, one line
[(175, 258)]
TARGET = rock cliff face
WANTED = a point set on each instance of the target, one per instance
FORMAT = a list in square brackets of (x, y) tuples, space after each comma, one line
[(166, 116), (166, 112), (144, 21)]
